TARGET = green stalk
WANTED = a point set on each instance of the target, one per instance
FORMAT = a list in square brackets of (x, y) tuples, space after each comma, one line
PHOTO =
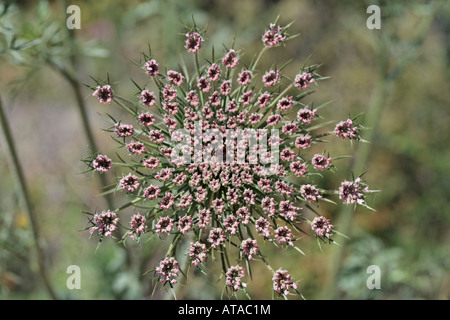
[(197, 67), (73, 82), (258, 58), (25, 199)]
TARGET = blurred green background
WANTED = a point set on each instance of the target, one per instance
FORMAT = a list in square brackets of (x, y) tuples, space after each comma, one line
[(397, 76)]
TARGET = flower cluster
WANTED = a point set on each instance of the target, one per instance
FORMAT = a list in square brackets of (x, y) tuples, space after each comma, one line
[(234, 276), (104, 94), (322, 227), (104, 223), (275, 36), (102, 163), (353, 192), (282, 282), (197, 252), (168, 270), (222, 154), (138, 225), (347, 129)]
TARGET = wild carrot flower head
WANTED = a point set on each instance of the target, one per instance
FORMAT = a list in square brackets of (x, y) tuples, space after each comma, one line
[(290, 128), (298, 168), (268, 204), (204, 217), (222, 158), (273, 119), (204, 85), (285, 104), (167, 201), (247, 97), (264, 99), (156, 136), (169, 93), (225, 88), (151, 162), (287, 210), (231, 224), (192, 99)]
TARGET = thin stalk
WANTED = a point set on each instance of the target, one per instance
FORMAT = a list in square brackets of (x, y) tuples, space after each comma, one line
[(84, 119), (197, 67), (25, 199), (72, 79), (171, 252), (259, 57), (273, 104)]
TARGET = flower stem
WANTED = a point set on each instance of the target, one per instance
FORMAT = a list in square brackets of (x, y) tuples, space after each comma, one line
[(84, 119), (273, 104), (259, 57), (197, 67), (25, 199)]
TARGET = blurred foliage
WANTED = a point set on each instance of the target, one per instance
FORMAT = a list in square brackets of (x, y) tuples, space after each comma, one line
[(15, 254), (407, 237), (406, 272)]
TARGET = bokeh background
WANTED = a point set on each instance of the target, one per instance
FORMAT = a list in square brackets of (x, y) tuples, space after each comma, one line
[(398, 77)]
